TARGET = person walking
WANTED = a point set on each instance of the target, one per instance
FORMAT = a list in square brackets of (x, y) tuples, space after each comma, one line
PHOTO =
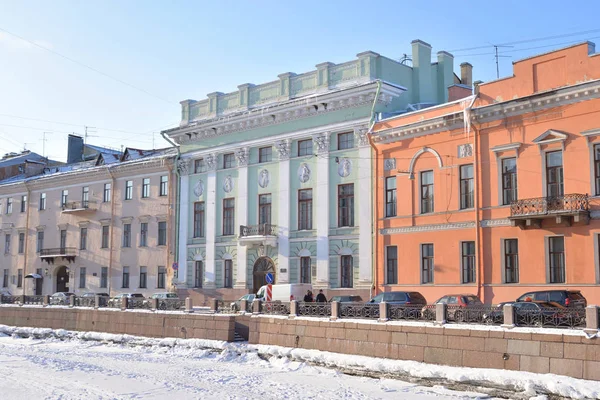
[(308, 297), (321, 297)]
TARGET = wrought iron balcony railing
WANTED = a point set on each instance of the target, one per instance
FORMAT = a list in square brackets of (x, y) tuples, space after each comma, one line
[(556, 205), (258, 230), (58, 252), (83, 205)]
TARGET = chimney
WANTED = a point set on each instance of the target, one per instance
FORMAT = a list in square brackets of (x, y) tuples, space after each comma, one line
[(466, 74), (476, 85), (421, 59), (74, 149)]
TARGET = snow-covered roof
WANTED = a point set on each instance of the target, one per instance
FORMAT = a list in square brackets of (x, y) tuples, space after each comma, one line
[(26, 156)]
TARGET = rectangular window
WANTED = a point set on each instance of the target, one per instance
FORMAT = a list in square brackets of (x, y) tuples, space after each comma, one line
[(7, 243), (198, 274), (304, 209), (346, 205), (42, 201), (21, 243), (597, 168), (104, 277), (125, 283), (143, 278), (128, 190), (228, 273), (40, 241), (23, 203), (82, 273), (264, 209), (427, 205), (126, 235), (427, 263), (143, 234), (305, 147), (556, 249), (265, 154), (390, 196), (5, 279), (511, 261), (82, 238), (9, 205), (85, 197), (466, 186), (64, 198), (228, 160), (509, 180), (107, 192), (347, 272), (345, 141), (145, 188), (468, 262), (391, 264), (199, 219), (228, 216), (162, 233), (161, 278), (105, 236), (19, 278), (554, 174), (63, 239), (164, 185), (199, 166), (305, 270)]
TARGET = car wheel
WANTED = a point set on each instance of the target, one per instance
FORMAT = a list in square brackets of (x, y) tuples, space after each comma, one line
[(459, 317)]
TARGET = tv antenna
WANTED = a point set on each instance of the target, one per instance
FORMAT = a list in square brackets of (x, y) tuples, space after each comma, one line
[(497, 56), (44, 143)]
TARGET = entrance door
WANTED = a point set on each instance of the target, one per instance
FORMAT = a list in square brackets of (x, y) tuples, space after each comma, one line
[(262, 266), (62, 279), (38, 283)]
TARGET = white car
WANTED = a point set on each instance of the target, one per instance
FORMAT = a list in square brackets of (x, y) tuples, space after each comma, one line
[(235, 305), (61, 298), (163, 301)]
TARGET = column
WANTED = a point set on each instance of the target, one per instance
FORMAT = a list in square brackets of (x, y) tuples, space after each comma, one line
[(365, 210), (241, 210), (182, 224), (322, 209), (283, 216), (211, 221)]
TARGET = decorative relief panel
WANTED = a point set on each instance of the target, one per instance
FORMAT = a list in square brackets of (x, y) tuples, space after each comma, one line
[(184, 167), (345, 167), (362, 136), (465, 150), (264, 177), (228, 184), (304, 173), (211, 162), (242, 157), (199, 188), (389, 164), (283, 148), (322, 142)]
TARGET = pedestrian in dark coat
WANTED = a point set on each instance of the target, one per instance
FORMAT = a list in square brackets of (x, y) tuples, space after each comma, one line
[(308, 297), (321, 297)]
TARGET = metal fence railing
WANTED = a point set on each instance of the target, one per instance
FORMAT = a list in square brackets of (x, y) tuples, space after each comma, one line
[(275, 308), (171, 304), (33, 300), (479, 314), (359, 310), (6, 299), (314, 309), (410, 312), (551, 317)]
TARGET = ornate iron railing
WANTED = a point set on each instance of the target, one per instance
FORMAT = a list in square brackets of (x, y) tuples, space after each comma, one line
[(479, 314), (569, 203), (138, 303), (258, 230), (85, 301), (551, 317), (171, 304), (103, 301), (59, 251), (77, 205), (410, 312), (114, 303), (275, 308), (33, 299), (59, 301), (349, 310), (314, 309), (10, 299)]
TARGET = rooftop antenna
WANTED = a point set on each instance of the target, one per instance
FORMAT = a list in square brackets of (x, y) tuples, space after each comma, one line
[(497, 56), (88, 130), (44, 143)]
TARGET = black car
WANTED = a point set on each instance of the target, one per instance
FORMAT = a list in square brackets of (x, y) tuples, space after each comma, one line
[(346, 299), (538, 313), (400, 298), (566, 298)]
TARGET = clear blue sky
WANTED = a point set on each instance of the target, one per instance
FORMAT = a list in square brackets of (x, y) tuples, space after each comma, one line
[(185, 49)]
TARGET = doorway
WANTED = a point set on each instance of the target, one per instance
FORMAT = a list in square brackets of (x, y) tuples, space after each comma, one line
[(62, 279), (262, 266), (38, 282), (198, 274)]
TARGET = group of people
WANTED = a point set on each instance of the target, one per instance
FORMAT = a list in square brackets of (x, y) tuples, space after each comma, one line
[(308, 297)]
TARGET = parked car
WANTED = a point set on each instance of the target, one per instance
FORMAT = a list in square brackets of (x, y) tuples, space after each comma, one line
[(61, 298), (400, 298), (496, 316), (539, 313), (92, 294), (137, 296), (236, 305), (162, 303), (284, 292), (566, 298), (346, 299), (458, 307)]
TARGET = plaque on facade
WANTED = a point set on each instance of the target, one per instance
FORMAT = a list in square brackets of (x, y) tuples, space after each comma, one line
[(304, 173), (228, 184), (263, 178), (345, 167), (199, 188), (389, 164), (465, 150)]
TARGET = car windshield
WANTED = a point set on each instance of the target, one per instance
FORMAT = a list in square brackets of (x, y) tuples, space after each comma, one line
[(137, 295), (472, 300), (397, 296), (378, 298), (171, 296)]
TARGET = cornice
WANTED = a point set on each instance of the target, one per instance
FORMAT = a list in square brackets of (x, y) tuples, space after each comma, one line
[(442, 123), (428, 228), (490, 223)]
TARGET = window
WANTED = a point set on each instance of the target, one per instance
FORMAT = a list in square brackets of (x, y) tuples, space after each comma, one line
[(9, 205), (128, 190), (105, 232), (466, 186), (125, 278), (199, 166), (126, 235), (228, 273), (42, 201), (511, 261), (7, 243), (19, 278), (63, 239), (554, 174), (5, 279), (264, 209), (391, 263), (305, 270), (104, 277), (265, 154), (390, 196), (427, 263), (199, 219), (23, 203), (40, 241), (345, 141), (82, 273), (597, 168), (162, 233), (509, 180), (468, 262), (82, 238), (64, 198), (164, 185), (228, 212), (347, 272), (85, 197), (305, 147), (228, 160), (143, 234), (143, 278), (161, 278), (556, 247), (21, 243), (346, 205), (107, 192), (198, 272), (427, 192), (145, 188), (304, 209)]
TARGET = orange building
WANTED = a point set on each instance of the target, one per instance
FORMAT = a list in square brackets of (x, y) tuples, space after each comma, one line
[(498, 193)]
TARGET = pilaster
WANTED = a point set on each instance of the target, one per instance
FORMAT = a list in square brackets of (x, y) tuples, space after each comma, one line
[(322, 208), (241, 209), (367, 64), (323, 75), (285, 85), (211, 222), (213, 103), (365, 210), (283, 217), (184, 208), (244, 95)]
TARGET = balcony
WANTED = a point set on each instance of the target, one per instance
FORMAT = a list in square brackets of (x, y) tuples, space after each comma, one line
[(78, 207), (565, 210), (265, 234), (66, 253)]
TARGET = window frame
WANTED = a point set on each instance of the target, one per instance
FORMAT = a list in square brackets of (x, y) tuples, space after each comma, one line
[(64, 198), (125, 278), (467, 262), (427, 264), (228, 160), (20, 277), (305, 269), (82, 277), (198, 274), (467, 200), (264, 209), (21, 245), (143, 279), (161, 277), (126, 236), (105, 237), (426, 202), (343, 142), (128, 190), (164, 185), (305, 147), (391, 266), (42, 205), (39, 243), (83, 238), (7, 240), (23, 203), (85, 197), (559, 175), (9, 205), (562, 269), (63, 239), (145, 188), (346, 280), (103, 277), (162, 233), (228, 274), (199, 216), (509, 193), (107, 194), (305, 210), (144, 234), (199, 166), (390, 197), (228, 228), (511, 261), (345, 212), (265, 158)]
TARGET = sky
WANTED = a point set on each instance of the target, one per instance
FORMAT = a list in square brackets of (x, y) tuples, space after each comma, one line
[(122, 67)]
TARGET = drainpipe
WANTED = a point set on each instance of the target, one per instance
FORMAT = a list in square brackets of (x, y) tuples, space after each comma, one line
[(177, 196)]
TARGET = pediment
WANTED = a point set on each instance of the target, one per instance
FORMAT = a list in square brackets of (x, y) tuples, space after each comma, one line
[(551, 136)]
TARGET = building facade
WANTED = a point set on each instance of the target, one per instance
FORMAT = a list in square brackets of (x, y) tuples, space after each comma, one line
[(277, 177), (496, 194)]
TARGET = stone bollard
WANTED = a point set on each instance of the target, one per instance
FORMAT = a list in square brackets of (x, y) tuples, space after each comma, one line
[(383, 312), (256, 307), (591, 319), (440, 313), (214, 305), (124, 303), (96, 302), (335, 310), (71, 301), (293, 308), (243, 306), (189, 306), (509, 316), (154, 304), (46, 301)]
